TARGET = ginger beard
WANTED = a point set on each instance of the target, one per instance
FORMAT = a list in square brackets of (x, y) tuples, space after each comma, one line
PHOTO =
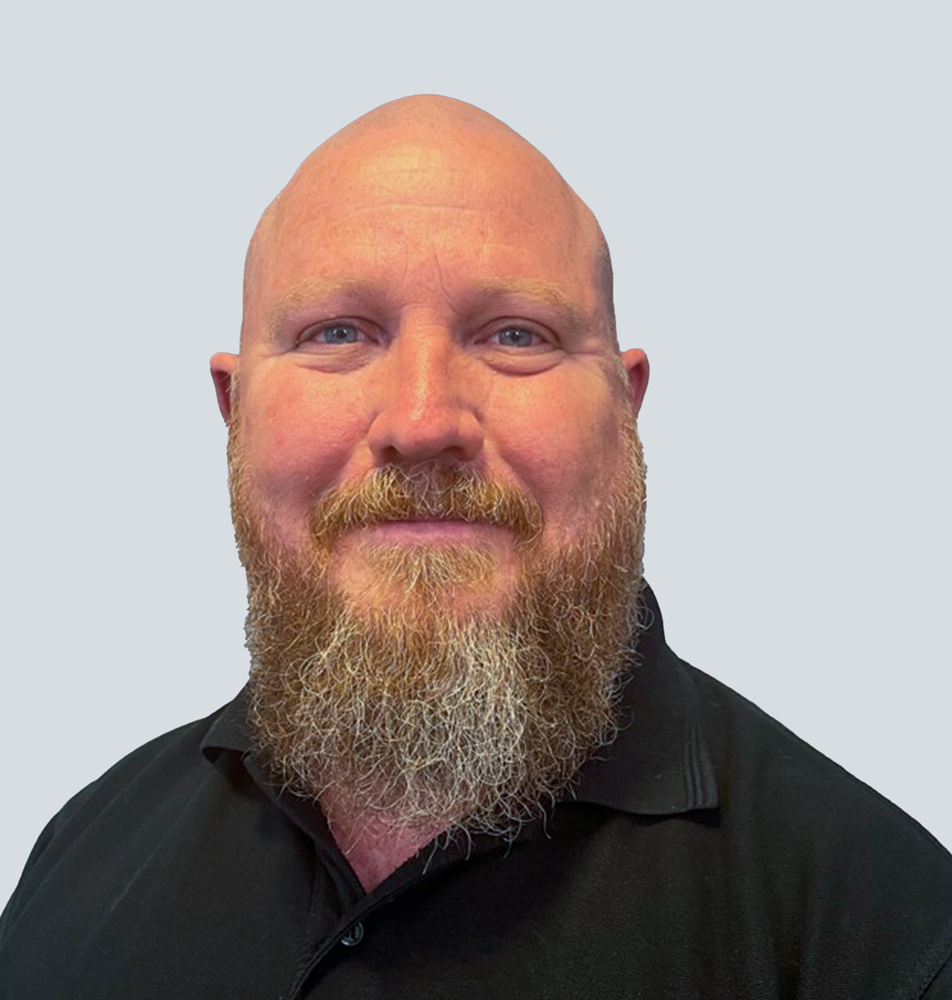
[(431, 712)]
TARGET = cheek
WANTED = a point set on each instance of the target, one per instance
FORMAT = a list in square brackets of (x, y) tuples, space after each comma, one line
[(298, 439), (565, 455)]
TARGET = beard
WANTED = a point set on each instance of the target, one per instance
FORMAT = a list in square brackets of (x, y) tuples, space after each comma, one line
[(426, 708)]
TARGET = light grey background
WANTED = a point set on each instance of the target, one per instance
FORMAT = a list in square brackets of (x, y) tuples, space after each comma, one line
[(774, 183)]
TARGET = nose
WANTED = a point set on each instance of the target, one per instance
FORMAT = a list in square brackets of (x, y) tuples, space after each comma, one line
[(426, 409)]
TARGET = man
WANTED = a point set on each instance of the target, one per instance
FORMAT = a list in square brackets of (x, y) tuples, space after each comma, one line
[(466, 763)]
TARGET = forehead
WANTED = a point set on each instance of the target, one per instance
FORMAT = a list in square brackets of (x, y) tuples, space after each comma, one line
[(408, 214)]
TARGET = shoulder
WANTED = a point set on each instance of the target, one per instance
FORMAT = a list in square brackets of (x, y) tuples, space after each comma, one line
[(759, 760), (857, 875), (148, 785), (161, 765)]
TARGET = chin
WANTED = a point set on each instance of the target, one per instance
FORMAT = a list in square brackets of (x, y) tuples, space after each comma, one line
[(465, 579)]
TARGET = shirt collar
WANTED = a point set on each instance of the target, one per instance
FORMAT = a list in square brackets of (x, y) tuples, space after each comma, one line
[(659, 764), (230, 730)]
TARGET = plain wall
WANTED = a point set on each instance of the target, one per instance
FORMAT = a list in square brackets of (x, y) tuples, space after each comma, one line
[(774, 183)]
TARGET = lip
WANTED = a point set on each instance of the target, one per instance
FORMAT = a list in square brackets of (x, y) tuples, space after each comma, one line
[(430, 529)]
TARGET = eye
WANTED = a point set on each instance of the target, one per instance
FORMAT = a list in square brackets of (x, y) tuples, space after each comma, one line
[(516, 336), (338, 333)]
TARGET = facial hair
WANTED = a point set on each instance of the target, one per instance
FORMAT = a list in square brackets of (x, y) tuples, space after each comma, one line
[(425, 714)]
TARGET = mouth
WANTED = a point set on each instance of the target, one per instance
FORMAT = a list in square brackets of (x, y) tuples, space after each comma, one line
[(431, 529)]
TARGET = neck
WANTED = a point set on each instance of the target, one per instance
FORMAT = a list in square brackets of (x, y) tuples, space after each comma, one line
[(374, 846)]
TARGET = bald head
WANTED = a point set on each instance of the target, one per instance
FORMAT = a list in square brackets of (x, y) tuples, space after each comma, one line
[(436, 152)]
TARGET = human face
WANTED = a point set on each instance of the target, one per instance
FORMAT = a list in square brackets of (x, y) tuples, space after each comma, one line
[(421, 306)]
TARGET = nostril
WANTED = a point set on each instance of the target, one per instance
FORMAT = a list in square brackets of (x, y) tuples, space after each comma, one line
[(425, 437)]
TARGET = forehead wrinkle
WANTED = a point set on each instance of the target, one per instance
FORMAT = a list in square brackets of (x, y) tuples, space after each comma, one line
[(439, 128)]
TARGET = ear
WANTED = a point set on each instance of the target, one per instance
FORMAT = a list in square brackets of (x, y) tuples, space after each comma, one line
[(223, 368), (636, 364)]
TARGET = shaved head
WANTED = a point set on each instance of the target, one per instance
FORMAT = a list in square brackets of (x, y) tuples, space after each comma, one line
[(487, 149)]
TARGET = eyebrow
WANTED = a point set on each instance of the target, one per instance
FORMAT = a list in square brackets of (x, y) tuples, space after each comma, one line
[(534, 290), (307, 291), (546, 293)]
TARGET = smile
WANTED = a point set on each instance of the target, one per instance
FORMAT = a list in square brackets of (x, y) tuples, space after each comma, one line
[(430, 530)]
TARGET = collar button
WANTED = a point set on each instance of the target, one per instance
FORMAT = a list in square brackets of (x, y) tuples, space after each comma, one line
[(354, 936)]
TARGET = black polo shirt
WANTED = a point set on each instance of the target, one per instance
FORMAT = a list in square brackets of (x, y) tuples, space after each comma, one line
[(708, 853)]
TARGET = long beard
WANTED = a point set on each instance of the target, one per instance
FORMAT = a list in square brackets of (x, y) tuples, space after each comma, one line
[(425, 714)]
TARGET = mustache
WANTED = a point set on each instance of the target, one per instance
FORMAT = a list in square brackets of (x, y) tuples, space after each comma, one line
[(450, 492)]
